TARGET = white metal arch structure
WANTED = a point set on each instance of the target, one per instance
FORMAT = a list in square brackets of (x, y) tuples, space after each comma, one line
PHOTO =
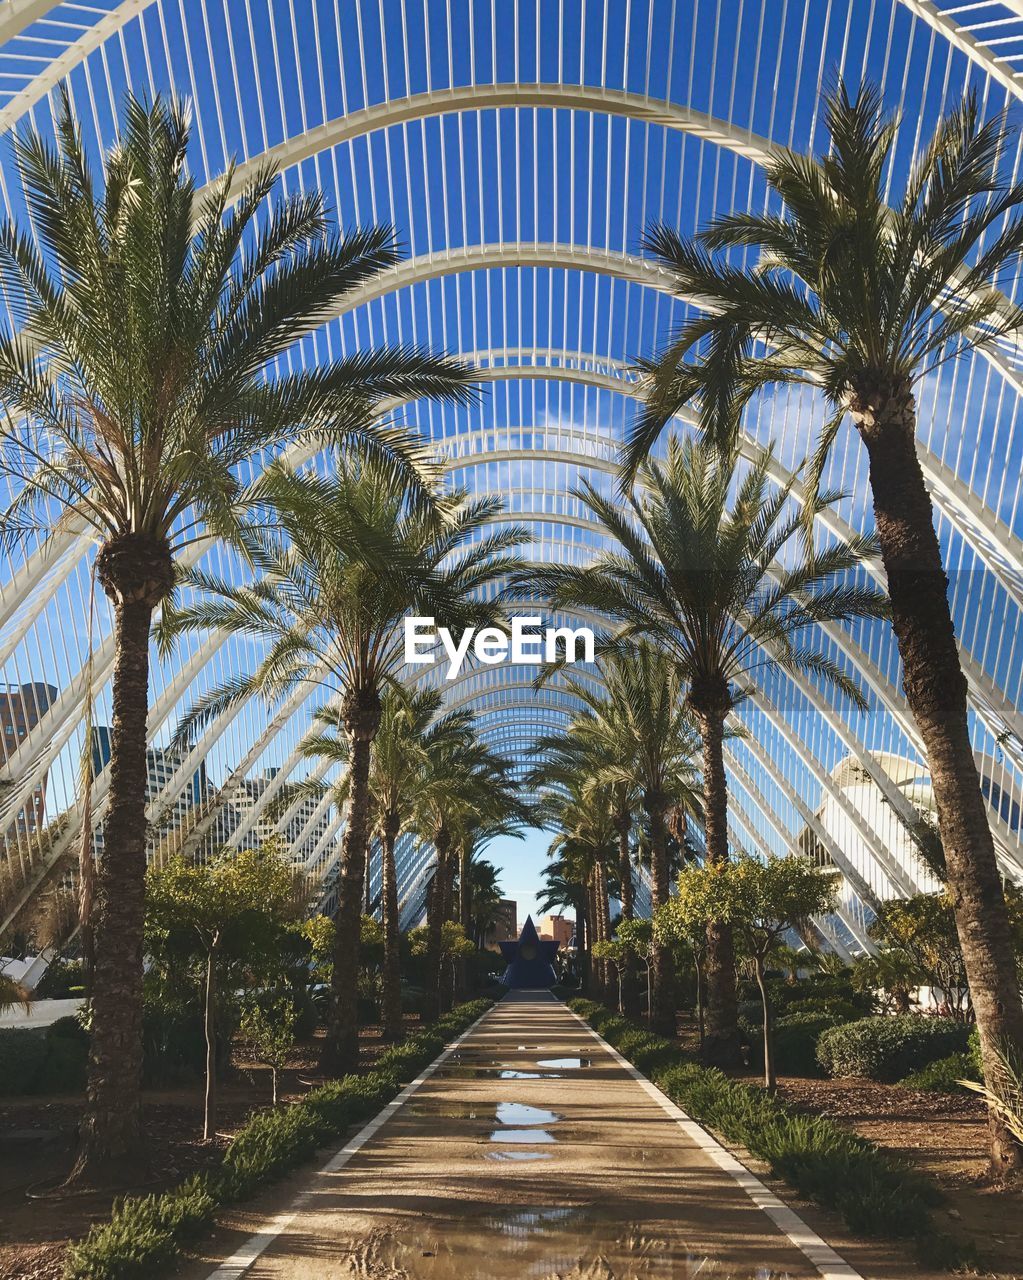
[(520, 164)]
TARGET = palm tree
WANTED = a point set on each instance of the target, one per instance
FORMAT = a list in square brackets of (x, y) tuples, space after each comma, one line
[(142, 383), (502, 813), (13, 993), (699, 574), (864, 301), (636, 744), (398, 755), (561, 888), (484, 899), (582, 850), (460, 782), (341, 561)]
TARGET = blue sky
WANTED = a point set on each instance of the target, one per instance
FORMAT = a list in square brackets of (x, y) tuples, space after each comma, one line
[(521, 862)]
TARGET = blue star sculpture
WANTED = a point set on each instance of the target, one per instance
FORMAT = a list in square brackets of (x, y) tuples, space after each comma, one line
[(530, 960)]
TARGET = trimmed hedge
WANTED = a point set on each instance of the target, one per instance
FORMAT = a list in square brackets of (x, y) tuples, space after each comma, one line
[(889, 1048), (876, 1194), (944, 1075), (145, 1232), (48, 1060)]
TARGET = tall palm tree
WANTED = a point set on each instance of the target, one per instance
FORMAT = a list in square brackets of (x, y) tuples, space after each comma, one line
[(561, 888), (484, 898), (583, 849), (636, 743), (399, 754), (141, 383), (711, 570), (342, 560), (502, 813), (458, 785), (864, 301)]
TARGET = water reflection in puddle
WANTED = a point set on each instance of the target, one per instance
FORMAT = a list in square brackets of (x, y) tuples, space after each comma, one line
[(518, 1113), (565, 1064), (491, 1073), (523, 1136), (519, 1155)]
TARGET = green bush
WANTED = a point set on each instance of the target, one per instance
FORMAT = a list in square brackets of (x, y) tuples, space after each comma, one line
[(795, 1041), (943, 1076), (62, 980), (145, 1232), (36, 1061), (23, 1055), (889, 1048)]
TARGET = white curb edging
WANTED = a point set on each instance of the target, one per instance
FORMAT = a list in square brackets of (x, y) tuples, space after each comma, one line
[(828, 1263), (240, 1261)]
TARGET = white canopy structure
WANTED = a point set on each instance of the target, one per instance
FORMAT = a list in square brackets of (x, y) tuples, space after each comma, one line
[(520, 148)]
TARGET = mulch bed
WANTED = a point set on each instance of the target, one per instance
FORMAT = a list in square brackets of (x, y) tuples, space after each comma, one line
[(37, 1142)]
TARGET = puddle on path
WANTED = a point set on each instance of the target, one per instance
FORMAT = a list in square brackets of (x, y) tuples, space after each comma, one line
[(525, 1136), (492, 1073), (565, 1064), (519, 1155), (518, 1113)]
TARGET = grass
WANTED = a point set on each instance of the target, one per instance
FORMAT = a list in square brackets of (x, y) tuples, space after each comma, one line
[(145, 1233), (876, 1194)]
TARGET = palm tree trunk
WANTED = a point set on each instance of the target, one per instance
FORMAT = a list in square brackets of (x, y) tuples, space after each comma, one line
[(465, 892), (721, 1043), (389, 913), (136, 574), (596, 966), (435, 921), (936, 692), (604, 926), (623, 821), (662, 1014), (464, 915), (341, 1046), (629, 991)]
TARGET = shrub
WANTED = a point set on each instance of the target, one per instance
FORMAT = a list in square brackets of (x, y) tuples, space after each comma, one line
[(145, 1232), (647, 1051), (943, 1076), (795, 1041), (64, 1068), (889, 1048), (22, 1060), (43, 1061), (63, 979)]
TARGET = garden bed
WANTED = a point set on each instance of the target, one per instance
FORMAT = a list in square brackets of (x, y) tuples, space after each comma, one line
[(34, 1234), (943, 1135)]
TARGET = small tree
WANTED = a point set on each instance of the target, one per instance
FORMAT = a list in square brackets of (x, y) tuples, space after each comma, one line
[(762, 901), (271, 1034), (637, 937), (689, 938), (453, 943), (613, 951), (225, 914)]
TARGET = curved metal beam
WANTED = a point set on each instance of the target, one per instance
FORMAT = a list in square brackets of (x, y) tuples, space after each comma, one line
[(998, 547), (65, 63), (963, 40)]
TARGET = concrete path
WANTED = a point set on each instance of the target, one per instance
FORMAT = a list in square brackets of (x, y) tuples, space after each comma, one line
[(532, 1151)]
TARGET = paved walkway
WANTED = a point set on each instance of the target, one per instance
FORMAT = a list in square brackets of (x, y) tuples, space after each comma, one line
[(533, 1152)]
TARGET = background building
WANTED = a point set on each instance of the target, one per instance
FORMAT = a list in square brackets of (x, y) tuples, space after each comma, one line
[(21, 709)]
